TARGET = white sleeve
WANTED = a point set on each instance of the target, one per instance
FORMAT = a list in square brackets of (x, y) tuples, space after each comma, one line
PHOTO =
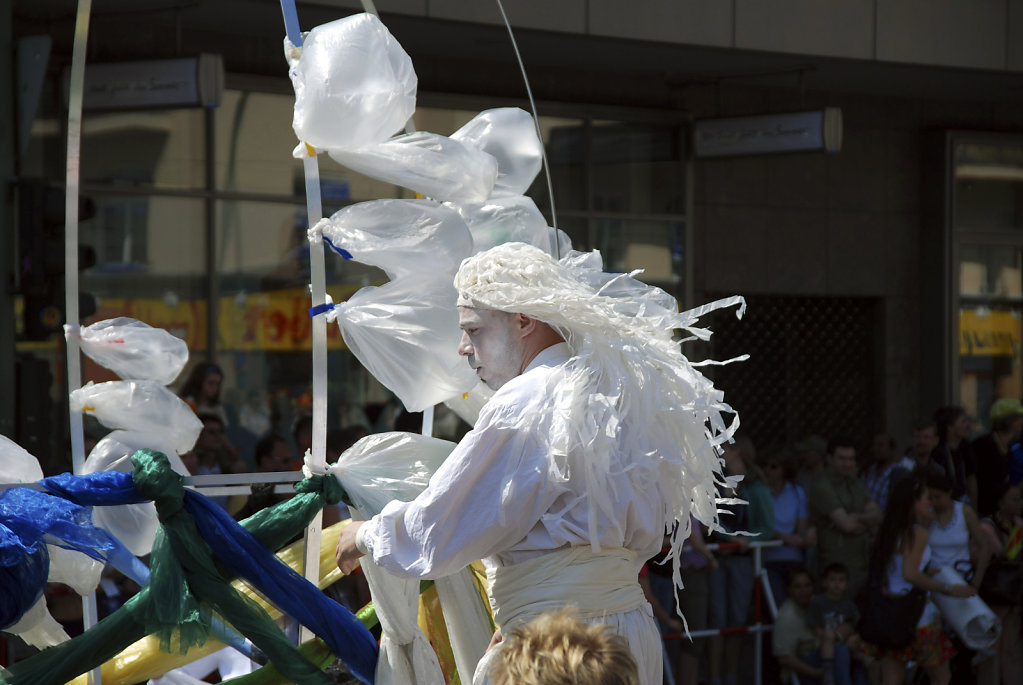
[(489, 493)]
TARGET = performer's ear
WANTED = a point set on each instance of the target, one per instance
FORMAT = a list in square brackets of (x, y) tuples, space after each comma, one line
[(523, 325)]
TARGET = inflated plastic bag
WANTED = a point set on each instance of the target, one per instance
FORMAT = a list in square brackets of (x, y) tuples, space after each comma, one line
[(75, 569), (16, 464), (402, 237), (133, 524), (38, 628), (510, 219), (430, 164), (469, 404), (388, 466), (406, 334), (508, 134), (354, 84), (134, 350), (142, 406)]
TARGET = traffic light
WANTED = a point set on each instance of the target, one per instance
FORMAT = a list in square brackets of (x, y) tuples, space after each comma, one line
[(41, 257)]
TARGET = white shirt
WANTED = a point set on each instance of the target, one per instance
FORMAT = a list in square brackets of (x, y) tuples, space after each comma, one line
[(494, 498)]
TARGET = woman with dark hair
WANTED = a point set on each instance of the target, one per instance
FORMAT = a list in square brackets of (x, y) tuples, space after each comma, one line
[(1004, 529), (202, 390), (900, 562)]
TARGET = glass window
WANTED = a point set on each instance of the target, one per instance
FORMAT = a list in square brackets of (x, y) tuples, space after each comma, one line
[(988, 216), (158, 149)]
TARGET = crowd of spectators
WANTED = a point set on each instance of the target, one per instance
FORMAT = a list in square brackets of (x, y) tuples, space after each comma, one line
[(952, 499)]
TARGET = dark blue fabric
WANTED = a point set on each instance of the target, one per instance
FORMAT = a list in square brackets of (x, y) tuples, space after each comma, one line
[(246, 558), (104, 488), (23, 572)]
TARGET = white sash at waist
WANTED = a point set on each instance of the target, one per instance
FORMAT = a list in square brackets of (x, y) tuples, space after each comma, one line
[(596, 583)]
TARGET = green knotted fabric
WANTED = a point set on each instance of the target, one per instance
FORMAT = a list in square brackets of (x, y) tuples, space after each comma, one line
[(187, 586)]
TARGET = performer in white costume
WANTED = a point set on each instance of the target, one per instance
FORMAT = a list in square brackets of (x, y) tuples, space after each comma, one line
[(599, 435)]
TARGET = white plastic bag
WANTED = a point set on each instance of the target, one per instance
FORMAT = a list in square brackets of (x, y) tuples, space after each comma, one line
[(508, 134), (16, 464), (469, 404), (436, 166), (75, 569), (38, 628), (509, 219), (133, 524), (406, 334), (354, 84), (402, 237), (142, 406), (388, 466), (134, 350)]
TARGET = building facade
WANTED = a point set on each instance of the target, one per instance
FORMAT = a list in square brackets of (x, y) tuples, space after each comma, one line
[(883, 280)]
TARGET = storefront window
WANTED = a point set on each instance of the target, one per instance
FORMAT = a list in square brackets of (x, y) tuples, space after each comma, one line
[(988, 218)]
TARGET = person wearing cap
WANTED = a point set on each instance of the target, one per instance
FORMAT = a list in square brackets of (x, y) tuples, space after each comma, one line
[(991, 452), (591, 448)]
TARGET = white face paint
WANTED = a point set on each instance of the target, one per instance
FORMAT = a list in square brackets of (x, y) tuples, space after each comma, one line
[(489, 343)]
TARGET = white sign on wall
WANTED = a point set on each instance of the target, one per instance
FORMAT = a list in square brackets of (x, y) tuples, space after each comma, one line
[(769, 133)]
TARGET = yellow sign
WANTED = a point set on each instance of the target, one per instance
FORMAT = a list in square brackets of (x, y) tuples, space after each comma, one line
[(274, 321), (989, 334)]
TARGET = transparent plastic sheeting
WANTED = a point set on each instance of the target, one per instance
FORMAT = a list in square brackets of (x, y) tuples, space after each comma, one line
[(510, 219), (133, 524), (141, 406), (375, 470), (969, 617), (16, 464), (402, 237), (134, 350), (354, 84), (508, 134), (404, 332), (427, 163), (387, 466)]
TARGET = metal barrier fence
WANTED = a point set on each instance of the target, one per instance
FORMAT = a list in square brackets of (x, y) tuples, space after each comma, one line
[(761, 594)]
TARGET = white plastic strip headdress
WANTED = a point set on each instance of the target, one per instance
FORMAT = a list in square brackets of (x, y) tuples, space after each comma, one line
[(628, 402)]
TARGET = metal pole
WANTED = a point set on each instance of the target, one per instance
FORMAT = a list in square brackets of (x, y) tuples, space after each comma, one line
[(74, 360)]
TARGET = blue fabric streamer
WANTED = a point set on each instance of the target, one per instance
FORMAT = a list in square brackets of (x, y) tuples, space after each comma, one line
[(246, 558), (23, 572)]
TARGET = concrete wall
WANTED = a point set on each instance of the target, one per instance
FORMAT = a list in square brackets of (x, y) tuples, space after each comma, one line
[(846, 224), (979, 34)]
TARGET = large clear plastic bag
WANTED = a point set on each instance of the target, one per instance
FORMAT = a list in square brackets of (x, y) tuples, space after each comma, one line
[(133, 524), (402, 237), (354, 84), (406, 334), (16, 464), (388, 466), (510, 219), (430, 164), (134, 350), (38, 628), (75, 569), (141, 406), (468, 405), (508, 134)]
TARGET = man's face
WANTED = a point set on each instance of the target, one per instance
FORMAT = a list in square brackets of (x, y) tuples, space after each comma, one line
[(490, 345), (924, 441), (844, 461), (279, 459)]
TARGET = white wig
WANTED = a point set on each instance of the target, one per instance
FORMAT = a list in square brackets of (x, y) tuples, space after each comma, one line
[(628, 402)]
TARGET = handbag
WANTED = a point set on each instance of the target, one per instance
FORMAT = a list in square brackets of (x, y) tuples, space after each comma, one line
[(1002, 583), (886, 620)]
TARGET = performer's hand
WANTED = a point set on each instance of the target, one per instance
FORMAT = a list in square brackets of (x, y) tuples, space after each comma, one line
[(347, 554)]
